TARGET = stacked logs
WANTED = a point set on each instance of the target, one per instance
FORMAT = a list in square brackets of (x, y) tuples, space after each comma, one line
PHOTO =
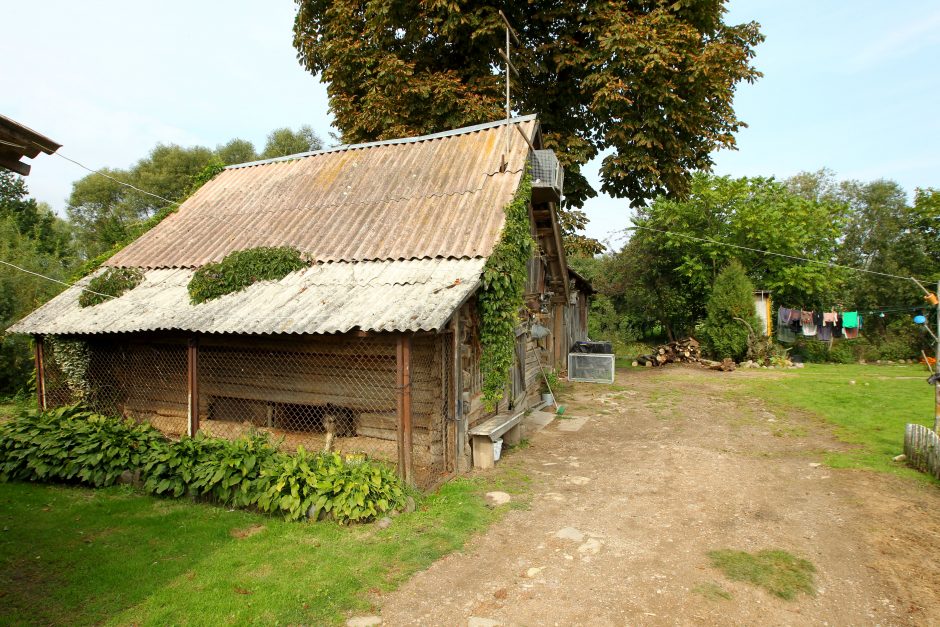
[(685, 351), (681, 351)]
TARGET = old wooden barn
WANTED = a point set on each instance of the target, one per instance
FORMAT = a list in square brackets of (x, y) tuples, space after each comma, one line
[(374, 347)]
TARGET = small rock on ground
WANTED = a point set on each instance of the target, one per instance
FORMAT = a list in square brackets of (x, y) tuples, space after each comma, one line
[(476, 621), (384, 523), (570, 533), (364, 621), (494, 499)]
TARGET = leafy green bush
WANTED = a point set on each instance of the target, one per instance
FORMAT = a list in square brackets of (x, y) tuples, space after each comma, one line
[(71, 444), (110, 284), (242, 268), (731, 301), (349, 490)]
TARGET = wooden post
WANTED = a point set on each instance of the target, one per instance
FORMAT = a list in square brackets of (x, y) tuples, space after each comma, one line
[(558, 333), (936, 366), (461, 424), (40, 373), (403, 377), (192, 362)]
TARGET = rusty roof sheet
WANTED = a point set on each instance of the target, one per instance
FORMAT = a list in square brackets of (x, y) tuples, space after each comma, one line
[(414, 295), (436, 196)]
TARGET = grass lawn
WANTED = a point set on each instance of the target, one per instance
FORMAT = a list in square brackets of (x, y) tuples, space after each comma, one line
[(869, 413), (80, 556)]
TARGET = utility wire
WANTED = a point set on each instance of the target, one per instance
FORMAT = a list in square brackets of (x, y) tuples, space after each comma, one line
[(768, 252)]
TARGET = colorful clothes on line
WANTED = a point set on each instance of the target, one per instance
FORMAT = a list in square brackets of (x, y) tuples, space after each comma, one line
[(824, 333), (786, 334), (851, 333), (783, 316), (808, 327), (796, 315), (850, 320), (830, 317)]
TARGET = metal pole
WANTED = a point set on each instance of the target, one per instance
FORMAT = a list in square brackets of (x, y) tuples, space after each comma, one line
[(936, 387)]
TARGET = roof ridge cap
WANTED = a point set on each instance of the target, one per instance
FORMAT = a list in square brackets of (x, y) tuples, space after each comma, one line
[(388, 142)]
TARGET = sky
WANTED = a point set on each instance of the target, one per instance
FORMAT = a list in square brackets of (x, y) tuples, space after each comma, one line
[(850, 86)]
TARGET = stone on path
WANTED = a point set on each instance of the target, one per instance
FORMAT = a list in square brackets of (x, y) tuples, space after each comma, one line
[(572, 424), (364, 621), (591, 547), (495, 499), (576, 480), (534, 572), (569, 533), (476, 621)]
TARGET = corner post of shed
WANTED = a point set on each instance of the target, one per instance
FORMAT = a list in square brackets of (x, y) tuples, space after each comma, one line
[(192, 367), (39, 343), (403, 386)]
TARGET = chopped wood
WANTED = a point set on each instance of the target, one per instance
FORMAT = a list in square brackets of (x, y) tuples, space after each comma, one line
[(687, 350)]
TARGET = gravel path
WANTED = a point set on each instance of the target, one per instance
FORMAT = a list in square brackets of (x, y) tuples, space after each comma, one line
[(623, 510)]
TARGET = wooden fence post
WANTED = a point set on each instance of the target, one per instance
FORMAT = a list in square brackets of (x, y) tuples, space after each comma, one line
[(192, 367), (40, 372), (403, 384)]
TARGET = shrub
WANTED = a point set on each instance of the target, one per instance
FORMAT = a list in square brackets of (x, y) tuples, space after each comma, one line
[(110, 284), (242, 268), (350, 491), (730, 303), (72, 444)]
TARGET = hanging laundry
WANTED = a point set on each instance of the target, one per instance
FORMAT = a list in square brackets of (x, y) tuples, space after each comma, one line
[(851, 333), (850, 320), (818, 318), (837, 329), (830, 317), (806, 323), (796, 315), (824, 333), (783, 316), (786, 334)]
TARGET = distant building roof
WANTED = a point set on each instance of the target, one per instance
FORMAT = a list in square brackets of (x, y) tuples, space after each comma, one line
[(435, 196), (18, 141)]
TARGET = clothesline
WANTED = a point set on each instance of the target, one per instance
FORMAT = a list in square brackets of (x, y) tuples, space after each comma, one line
[(824, 326)]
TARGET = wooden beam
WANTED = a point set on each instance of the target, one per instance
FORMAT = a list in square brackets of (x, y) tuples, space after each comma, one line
[(15, 166), (403, 376), (192, 366), (40, 373)]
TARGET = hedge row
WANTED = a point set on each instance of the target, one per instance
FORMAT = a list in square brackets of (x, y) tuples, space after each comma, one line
[(70, 444)]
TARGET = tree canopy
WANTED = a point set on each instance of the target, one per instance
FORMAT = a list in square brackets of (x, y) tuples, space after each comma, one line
[(650, 82)]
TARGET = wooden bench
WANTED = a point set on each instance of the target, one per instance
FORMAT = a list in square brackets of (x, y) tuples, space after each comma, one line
[(487, 432)]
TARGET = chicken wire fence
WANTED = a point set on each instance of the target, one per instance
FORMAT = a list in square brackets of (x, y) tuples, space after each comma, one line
[(340, 394)]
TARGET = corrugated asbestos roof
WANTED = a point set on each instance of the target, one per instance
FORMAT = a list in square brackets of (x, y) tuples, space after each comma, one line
[(416, 295), (435, 196)]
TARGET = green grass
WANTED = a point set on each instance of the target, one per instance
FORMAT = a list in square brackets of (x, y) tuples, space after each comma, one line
[(80, 556), (7, 410), (712, 591), (869, 414), (778, 572)]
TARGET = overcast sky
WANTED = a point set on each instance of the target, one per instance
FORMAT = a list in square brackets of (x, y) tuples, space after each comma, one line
[(851, 86)]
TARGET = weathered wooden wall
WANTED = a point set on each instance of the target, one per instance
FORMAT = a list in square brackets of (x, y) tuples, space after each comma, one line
[(922, 447)]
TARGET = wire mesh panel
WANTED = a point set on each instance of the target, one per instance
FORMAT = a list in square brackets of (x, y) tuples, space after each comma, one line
[(324, 393), (145, 381), (431, 407)]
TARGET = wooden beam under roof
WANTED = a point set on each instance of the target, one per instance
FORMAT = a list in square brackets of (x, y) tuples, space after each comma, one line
[(18, 141)]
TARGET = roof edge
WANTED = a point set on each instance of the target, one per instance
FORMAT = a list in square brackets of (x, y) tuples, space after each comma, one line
[(389, 142)]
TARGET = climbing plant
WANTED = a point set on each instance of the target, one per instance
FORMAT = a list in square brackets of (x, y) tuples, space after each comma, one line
[(73, 358), (242, 268), (110, 284), (501, 296)]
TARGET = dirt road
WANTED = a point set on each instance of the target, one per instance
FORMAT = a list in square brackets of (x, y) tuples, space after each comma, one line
[(623, 510)]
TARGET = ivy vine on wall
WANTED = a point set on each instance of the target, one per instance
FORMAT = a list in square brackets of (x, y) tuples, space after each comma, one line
[(73, 357), (242, 268), (110, 284), (501, 296)]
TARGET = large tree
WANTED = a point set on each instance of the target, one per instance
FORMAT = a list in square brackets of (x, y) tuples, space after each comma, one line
[(650, 82), (680, 246)]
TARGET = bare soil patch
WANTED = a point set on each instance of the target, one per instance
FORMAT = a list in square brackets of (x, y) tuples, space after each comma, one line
[(669, 466)]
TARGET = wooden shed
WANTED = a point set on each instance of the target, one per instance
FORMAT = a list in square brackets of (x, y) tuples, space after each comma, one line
[(372, 349)]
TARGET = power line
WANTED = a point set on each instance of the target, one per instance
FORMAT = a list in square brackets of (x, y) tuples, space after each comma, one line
[(829, 264), (120, 182), (54, 280)]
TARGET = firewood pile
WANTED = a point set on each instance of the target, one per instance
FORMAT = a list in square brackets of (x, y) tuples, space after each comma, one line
[(684, 351)]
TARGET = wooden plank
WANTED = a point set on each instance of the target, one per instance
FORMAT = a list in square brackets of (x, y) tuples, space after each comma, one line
[(40, 373), (192, 365)]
